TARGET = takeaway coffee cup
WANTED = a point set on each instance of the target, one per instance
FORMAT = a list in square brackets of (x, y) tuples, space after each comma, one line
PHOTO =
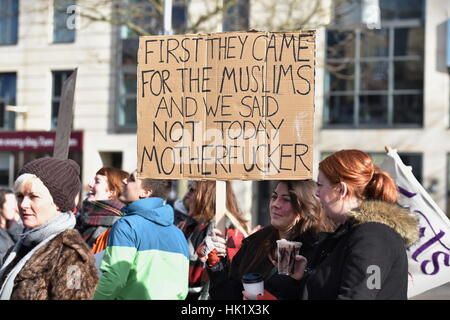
[(253, 284), (287, 250)]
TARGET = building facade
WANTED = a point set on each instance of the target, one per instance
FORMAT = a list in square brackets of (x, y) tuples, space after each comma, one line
[(391, 89), (39, 49)]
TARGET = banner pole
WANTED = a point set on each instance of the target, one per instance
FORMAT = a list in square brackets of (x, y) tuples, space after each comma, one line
[(65, 118)]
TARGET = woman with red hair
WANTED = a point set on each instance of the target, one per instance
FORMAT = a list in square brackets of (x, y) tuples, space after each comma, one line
[(365, 257), (102, 207)]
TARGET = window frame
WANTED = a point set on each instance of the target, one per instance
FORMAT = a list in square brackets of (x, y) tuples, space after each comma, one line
[(131, 69), (357, 60), (56, 28), (57, 99), (124, 96), (13, 25), (9, 116), (236, 17), (122, 71)]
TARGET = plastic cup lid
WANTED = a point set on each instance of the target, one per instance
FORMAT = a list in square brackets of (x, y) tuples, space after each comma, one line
[(252, 278)]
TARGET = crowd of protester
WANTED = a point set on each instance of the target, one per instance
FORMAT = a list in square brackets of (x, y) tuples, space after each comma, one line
[(126, 240)]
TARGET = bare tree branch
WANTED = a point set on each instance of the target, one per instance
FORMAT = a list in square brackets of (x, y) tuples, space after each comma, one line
[(217, 10)]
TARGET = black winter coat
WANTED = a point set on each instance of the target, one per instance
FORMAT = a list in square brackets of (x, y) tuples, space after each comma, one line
[(365, 258), (225, 278)]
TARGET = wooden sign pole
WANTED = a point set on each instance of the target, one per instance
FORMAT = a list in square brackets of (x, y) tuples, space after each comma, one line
[(65, 118), (221, 196)]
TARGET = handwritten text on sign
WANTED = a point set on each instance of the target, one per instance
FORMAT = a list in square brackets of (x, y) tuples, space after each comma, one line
[(226, 106)]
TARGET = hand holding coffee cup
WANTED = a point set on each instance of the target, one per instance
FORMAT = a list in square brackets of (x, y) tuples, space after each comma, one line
[(253, 285), (287, 250), (300, 267)]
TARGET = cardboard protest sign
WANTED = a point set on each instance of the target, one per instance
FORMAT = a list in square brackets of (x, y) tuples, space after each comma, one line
[(226, 106)]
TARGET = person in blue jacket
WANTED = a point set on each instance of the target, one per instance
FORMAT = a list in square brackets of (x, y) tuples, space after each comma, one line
[(147, 255)]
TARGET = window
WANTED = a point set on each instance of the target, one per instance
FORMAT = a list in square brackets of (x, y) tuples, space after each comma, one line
[(236, 16), (409, 159), (126, 97), (62, 31), (4, 169), (143, 15), (112, 159), (9, 14), (7, 97), (375, 77), (179, 16), (151, 21), (127, 103), (415, 161), (58, 79)]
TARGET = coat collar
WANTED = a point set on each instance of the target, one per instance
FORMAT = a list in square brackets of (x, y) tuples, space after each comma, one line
[(401, 220)]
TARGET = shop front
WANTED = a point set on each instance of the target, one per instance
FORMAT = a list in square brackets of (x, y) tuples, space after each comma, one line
[(20, 147)]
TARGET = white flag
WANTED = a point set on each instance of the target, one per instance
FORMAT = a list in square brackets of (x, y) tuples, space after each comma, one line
[(429, 259)]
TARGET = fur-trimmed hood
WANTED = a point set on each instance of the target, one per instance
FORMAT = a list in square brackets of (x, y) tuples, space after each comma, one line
[(401, 220)]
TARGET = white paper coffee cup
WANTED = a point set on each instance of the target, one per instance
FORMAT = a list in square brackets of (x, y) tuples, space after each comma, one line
[(254, 284)]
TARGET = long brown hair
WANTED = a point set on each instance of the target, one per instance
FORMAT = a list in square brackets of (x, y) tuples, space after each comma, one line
[(203, 206), (306, 204), (362, 177)]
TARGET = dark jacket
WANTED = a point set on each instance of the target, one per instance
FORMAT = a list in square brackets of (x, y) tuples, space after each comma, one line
[(9, 237), (6, 242), (63, 269), (365, 258), (226, 281)]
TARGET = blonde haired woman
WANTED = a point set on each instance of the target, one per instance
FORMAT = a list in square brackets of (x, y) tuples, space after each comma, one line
[(51, 261)]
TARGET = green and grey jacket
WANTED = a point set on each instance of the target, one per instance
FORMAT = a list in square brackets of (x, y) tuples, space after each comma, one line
[(146, 257)]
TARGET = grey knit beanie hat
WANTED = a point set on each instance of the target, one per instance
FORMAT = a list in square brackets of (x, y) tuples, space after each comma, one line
[(61, 177)]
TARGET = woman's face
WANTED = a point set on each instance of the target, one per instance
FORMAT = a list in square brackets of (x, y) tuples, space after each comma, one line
[(329, 198), (98, 189), (189, 196), (282, 214), (36, 205)]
